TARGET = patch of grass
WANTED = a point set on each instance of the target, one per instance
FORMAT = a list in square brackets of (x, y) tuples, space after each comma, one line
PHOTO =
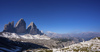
[(48, 50), (45, 50), (40, 51), (65, 49), (97, 37)]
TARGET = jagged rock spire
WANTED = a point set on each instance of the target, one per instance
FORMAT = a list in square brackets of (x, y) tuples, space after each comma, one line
[(20, 26), (32, 25), (32, 29), (9, 27)]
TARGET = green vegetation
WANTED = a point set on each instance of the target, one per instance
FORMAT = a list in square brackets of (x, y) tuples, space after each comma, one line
[(48, 50), (76, 50), (96, 37), (65, 49), (45, 50), (40, 51)]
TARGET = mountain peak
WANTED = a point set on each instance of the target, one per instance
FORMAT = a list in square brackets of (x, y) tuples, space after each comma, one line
[(20, 26), (20, 21), (32, 25), (32, 29)]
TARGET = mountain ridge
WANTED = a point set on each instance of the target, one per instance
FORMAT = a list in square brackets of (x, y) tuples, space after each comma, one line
[(20, 27)]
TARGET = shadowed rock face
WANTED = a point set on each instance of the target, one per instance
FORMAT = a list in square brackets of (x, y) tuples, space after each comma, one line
[(39, 32), (32, 29), (20, 26), (9, 27)]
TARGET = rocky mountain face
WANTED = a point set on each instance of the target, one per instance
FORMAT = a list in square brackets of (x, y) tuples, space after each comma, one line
[(20, 27), (32, 29), (9, 27)]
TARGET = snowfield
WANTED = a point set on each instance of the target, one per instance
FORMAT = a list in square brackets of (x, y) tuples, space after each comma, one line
[(25, 36)]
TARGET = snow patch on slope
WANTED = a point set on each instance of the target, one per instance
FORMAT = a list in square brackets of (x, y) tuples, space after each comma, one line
[(29, 36), (10, 35), (25, 36)]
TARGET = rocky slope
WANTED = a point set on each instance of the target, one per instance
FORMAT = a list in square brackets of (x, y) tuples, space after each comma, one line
[(42, 40), (7, 45), (92, 45)]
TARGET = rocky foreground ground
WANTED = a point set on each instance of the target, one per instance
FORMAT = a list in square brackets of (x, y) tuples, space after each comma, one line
[(92, 45)]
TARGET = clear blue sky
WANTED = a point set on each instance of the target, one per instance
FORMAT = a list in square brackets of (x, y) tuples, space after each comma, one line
[(60, 16)]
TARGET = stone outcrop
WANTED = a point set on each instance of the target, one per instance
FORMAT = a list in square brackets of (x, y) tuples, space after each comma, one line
[(32, 29), (9, 27), (20, 26)]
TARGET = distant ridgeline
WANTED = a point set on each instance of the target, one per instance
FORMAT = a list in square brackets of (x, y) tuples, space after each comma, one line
[(20, 27)]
